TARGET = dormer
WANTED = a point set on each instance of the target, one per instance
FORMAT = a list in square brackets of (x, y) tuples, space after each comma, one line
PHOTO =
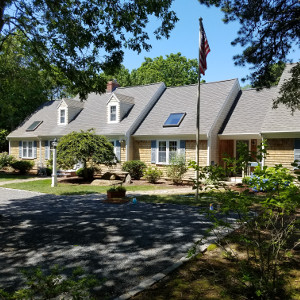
[(67, 110), (117, 107)]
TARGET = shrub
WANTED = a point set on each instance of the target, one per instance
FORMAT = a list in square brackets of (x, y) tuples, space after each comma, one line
[(23, 166), (177, 168), (54, 285), (5, 160), (118, 188), (86, 173), (79, 172), (153, 174), (135, 168)]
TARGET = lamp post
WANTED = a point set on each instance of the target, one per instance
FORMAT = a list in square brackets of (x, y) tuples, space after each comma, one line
[(54, 173)]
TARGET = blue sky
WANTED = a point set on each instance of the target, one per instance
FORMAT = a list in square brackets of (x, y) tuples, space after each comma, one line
[(185, 39)]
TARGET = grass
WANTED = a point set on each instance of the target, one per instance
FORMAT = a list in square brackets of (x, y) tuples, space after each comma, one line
[(44, 186), (7, 177)]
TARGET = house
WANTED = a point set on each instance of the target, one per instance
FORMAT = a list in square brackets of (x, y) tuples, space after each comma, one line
[(170, 126), (152, 122), (115, 114), (253, 119)]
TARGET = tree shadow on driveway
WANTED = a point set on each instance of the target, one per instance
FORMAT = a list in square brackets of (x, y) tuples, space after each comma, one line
[(123, 243)]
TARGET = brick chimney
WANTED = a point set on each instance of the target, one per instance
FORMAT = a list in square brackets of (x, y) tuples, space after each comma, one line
[(111, 86)]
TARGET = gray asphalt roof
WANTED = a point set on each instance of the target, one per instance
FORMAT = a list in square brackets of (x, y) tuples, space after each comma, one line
[(183, 99), (74, 103), (93, 115), (249, 112), (281, 119)]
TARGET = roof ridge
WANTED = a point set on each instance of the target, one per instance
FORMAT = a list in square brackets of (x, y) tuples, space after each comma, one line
[(141, 85), (204, 83)]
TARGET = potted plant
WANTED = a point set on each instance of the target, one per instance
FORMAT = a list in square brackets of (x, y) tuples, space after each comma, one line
[(116, 192)]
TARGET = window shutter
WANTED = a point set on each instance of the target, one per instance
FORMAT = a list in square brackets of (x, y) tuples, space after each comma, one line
[(153, 152), (35, 149), (182, 147), (20, 149), (118, 150), (47, 150), (297, 149)]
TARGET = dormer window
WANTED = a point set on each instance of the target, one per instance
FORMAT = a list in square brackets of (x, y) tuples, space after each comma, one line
[(113, 113), (62, 116)]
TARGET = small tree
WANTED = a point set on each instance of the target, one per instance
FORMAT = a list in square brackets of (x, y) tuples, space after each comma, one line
[(86, 147), (177, 168)]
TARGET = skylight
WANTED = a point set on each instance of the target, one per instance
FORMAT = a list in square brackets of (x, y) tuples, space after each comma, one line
[(174, 119), (34, 125)]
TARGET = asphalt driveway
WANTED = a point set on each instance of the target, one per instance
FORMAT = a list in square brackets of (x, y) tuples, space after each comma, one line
[(123, 243)]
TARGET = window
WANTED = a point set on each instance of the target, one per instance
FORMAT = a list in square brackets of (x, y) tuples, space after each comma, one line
[(113, 113), (174, 120), (62, 116), (34, 125), (166, 150), (27, 149)]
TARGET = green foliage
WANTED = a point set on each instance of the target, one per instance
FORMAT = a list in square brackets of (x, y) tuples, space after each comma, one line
[(264, 232), (40, 285), (23, 84), (79, 172), (3, 141), (118, 188), (244, 156), (135, 168), (177, 168), (152, 175), (289, 91), (210, 177), (86, 147), (86, 173), (174, 70), (23, 166), (272, 180), (71, 36), (269, 30), (5, 160)]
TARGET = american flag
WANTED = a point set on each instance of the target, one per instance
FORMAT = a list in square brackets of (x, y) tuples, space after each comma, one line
[(203, 49)]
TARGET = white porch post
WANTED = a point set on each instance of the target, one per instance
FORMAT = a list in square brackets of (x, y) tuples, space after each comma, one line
[(208, 151), (263, 147), (54, 172)]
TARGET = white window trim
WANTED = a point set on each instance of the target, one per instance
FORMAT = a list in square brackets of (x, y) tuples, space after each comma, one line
[(167, 162), (27, 150), (59, 116), (117, 113)]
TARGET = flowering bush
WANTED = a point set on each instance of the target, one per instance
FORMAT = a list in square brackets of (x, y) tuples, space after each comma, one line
[(272, 179)]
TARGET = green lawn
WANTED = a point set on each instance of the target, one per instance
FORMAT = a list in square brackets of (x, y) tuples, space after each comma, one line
[(44, 186), (8, 177)]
